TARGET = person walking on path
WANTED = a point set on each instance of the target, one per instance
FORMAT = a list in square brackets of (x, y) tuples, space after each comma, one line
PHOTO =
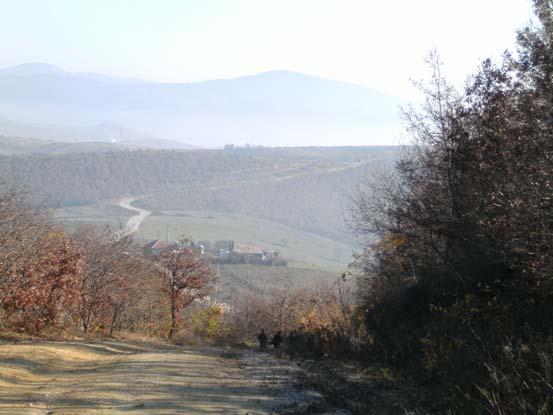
[(262, 337), (277, 339)]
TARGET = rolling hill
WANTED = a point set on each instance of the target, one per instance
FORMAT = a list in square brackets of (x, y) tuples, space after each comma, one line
[(302, 188), (21, 145), (273, 107)]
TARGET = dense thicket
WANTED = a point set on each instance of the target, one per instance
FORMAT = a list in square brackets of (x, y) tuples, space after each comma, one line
[(459, 290)]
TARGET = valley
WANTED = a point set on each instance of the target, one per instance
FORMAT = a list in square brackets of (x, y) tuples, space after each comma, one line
[(276, 208), (291, 200)]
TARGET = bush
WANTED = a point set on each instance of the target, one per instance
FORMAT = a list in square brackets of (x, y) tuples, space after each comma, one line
[(205, 322)]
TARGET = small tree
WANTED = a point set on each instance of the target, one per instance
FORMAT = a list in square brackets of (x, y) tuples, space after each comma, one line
[(189, 279), (104, 284)]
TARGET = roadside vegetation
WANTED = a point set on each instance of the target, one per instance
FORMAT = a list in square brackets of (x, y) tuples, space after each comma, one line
[(89, 281), (457, 292)]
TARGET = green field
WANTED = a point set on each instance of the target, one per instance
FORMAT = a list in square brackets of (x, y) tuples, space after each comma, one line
[(300, 248), (263, 280), (98, 215)]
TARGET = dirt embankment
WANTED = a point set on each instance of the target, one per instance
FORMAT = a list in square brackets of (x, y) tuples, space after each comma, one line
[(112, 377)]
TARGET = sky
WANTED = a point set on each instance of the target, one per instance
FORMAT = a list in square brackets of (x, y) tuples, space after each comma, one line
[(379, 44)]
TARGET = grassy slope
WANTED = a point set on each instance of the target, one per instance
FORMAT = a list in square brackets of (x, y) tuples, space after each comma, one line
[(98, 215), (262, 280), (302, 249)]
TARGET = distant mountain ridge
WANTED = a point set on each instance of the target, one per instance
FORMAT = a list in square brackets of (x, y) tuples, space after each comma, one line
[(40, 68), (270, 108)]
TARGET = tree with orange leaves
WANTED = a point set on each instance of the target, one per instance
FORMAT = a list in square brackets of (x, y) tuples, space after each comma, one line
[(44, 286), (188, 277)]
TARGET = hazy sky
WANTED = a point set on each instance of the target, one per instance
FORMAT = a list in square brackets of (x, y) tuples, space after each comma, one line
[(379, 44)]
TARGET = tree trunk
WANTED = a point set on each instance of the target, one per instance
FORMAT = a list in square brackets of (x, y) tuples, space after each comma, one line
[(114, 316), (86, 322), (174, 315)]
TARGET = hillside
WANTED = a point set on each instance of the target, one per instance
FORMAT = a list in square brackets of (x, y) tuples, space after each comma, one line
[(20, 145), (303, 188), (314, 200)]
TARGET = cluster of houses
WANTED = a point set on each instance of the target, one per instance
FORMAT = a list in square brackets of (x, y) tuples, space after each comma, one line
[(223, 252)]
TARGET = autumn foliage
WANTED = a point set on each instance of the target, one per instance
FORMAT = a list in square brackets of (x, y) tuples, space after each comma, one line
[(43, 288), (188, 278), (320, 313), (90, 281)]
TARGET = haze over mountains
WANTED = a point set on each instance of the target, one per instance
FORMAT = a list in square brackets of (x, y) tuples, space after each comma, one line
[(277, 108)]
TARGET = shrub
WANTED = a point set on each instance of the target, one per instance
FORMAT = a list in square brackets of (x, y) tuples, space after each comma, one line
[(205, 322)]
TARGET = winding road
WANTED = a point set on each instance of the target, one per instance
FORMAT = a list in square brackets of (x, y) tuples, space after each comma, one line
[(134, 221)]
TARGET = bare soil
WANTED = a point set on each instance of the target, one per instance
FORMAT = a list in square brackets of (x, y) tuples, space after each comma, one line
[(123, 377)]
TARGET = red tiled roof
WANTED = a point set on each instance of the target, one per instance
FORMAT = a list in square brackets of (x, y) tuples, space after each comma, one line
[(157, 244)]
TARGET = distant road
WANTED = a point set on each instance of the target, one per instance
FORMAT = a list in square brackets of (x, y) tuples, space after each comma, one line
[(134, 221)]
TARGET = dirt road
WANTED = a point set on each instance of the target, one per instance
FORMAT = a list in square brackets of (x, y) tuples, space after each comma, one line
[(134, 221), (112, 377)]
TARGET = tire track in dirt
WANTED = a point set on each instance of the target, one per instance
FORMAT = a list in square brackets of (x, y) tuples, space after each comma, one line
[(113, 377)]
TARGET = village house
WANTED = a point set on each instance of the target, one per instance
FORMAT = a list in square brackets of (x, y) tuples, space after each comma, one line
[(155, 247)]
